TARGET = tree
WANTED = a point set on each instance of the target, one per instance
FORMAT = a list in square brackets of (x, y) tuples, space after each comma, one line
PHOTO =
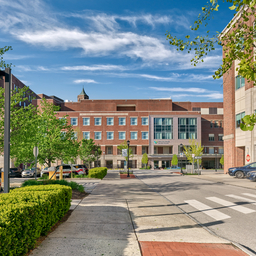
[(222, 160), (124, 145), (194, 148), (88, 151), (23, 126), (238, 44), (2, 52), (174, 160), (55, 137), (144, 159)]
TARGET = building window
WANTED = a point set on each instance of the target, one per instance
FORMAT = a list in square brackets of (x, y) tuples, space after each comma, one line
[(73, 121), (240, 82), (121, 135), (74, 137), (220, 124), (211, 137), (63, 119), (86, 135), (97, 121), (211, 150), (144, 150), (144, 135), (122, 120), (239, 118), (134, 120), (134, 135), (196, 109), (216, 124), (97, 135), (144, 121), (212, 111), (86, 121), (220, 137), (109, 150), (221, 150), (110, 121), (187, 128), (63, 134), (110, 135), (211, 124), (163, 128)]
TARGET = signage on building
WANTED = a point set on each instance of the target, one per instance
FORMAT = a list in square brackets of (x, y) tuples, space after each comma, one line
[(181, 154), (124, 152), (162, 142), (198, 157), (248, 158)]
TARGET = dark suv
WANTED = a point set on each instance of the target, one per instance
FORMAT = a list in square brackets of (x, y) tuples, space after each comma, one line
[(240, 172)]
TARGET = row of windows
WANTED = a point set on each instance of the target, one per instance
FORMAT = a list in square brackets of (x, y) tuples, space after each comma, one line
[(216, 124), (121, 135), (239, 118), (212, 137), (212, 111), (240, 82), (110, 121)]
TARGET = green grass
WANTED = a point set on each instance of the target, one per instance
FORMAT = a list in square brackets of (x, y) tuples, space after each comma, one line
[(80, 176)]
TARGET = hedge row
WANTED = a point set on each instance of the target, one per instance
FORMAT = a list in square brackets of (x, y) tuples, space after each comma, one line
[(98, 172), (29, 212)]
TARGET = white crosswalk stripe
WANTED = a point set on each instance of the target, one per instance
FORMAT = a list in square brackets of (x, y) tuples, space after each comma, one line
[(215, 214), (230, 205), (248, 194), (243, 198)]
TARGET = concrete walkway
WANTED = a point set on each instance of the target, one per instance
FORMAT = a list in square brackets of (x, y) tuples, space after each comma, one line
[(123, 217)]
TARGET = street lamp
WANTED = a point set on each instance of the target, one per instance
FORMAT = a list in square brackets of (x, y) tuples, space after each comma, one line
[(181, 151), (128, 144)]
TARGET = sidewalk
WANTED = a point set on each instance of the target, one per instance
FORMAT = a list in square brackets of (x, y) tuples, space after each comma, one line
[(123, 217)]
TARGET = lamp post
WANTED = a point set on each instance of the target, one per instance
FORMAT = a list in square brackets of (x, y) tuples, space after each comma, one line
[(181, 151), (216, 160), (128, 144)]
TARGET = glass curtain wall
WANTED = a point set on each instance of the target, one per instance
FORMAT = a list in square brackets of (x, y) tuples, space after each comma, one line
[(187, 128), (163, 128)]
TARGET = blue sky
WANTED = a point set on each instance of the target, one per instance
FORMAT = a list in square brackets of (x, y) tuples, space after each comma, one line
[(114, 49)]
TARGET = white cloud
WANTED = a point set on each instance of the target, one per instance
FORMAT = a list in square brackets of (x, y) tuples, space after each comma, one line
[(215, 96), (88, 81), (29, 68), (94, 68)]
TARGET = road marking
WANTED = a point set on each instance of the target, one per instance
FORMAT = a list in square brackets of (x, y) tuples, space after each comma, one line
[(230, 205), (248, 194), (243, 198), (217, 215)]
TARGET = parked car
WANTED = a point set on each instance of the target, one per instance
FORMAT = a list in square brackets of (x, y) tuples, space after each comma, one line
[(240, 172), (29, 173), (44, 171), (251, 175), (15, 172), (80, 169)]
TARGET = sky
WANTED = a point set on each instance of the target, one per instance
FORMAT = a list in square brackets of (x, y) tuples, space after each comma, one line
[(113, 49)]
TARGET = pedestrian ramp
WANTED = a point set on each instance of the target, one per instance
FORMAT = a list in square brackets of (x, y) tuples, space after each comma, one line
[(218, 215)]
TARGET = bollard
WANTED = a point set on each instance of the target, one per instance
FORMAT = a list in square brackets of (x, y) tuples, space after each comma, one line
[(61, 173)]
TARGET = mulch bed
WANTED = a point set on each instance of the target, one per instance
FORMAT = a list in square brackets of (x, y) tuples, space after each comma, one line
[(124, 176), (75, 195)]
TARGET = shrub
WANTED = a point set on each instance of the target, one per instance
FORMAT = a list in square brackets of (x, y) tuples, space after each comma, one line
[(29, 212), (98, 173)]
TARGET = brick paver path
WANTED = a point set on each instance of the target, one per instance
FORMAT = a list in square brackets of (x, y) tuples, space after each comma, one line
[(188, 249), (124, 176)]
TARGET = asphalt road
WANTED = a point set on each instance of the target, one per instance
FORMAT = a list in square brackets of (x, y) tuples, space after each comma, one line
[(228, 211)]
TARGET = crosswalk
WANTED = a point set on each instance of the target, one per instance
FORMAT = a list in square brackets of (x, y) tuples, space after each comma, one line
[(246, 198)]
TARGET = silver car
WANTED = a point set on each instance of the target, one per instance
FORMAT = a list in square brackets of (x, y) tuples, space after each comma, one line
[(29, 173)]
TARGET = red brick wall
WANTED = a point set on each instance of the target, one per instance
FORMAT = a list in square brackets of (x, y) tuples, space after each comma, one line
[(240, 156)]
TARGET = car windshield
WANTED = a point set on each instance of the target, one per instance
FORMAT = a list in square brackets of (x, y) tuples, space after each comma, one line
[(252, 165)]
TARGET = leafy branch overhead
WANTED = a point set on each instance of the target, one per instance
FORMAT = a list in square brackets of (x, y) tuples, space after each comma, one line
[(237, 40)]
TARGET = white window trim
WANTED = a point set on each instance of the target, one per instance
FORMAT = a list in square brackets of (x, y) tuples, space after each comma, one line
[(131, 120), (131, 135), (113, 135), (141, 120), (89, 121), (124, 133), (113, 121), (100, 135), (100, 121), (89, 134), (76, 119), (142, 136), (119, 122)]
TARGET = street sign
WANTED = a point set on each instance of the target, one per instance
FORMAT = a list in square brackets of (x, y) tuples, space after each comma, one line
[(198, 157), (124, 152), (248, 158), (35, 151), (181, 154), (193, 155)]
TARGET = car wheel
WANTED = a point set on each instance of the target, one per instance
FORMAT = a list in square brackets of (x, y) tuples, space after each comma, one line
[(239, 174)]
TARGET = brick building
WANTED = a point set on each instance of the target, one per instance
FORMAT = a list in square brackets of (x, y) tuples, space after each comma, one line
[(155, 126), (239, 99)]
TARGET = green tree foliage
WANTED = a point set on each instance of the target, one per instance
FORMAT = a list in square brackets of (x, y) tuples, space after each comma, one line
[(174, 160), (194, 148), (124, 145), (238, 43), (55, 137), (2, 52), (144, 159), (88, 151), (22, 126), (222, 160)]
